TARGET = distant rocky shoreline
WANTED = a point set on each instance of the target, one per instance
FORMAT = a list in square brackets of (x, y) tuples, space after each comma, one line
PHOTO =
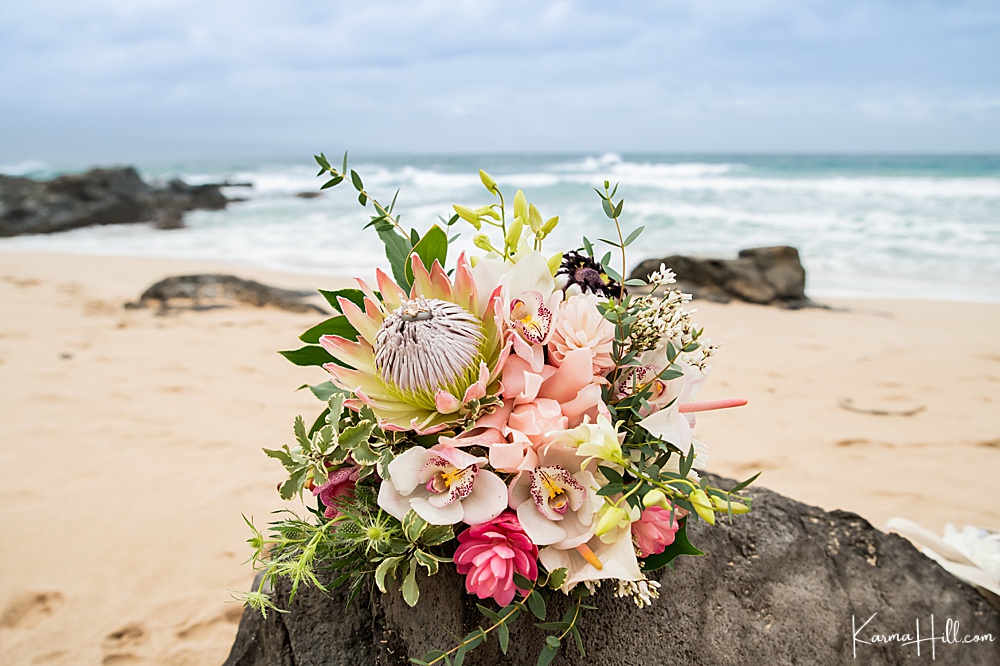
[(115, 195)]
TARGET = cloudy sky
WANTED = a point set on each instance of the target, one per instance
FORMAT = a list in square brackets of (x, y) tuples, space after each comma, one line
[(178, 79)]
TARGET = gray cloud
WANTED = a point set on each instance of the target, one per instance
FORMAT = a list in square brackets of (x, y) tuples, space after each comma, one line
[(126, 80)]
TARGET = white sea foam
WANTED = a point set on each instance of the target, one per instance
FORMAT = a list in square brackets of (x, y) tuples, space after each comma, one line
[(860, 232)]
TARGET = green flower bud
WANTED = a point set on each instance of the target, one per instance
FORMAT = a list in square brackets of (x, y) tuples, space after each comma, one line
[(469, 215), (482, 241), (520, 205), (488, 181), (655, 497), (514, 232), (702, 505), (534, 218), (554, 262), (550, 225), (488, 210), (738, 508)]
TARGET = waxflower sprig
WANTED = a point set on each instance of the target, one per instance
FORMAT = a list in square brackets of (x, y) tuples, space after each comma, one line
[(526, 419)]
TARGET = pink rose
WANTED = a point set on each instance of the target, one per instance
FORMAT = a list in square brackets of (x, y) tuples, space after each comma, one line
[(489, 555), (340, 483), (654, 530)]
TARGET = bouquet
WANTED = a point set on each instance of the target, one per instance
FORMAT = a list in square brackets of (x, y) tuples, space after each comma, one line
[(527, 418)]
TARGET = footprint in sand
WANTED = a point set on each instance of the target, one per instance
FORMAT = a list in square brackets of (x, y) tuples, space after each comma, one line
[(29, 609), (201, 629), (118, 643)]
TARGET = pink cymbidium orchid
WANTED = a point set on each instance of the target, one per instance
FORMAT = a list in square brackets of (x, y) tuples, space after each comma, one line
[(529, 301), (443, 485)]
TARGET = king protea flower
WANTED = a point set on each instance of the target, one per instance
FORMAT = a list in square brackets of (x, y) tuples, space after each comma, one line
[(423, 360)]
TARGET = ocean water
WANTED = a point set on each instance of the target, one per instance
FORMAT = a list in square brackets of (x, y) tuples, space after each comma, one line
[(866, 226)]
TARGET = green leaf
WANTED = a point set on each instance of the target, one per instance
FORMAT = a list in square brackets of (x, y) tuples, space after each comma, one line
[(435, 535), (336, 180), (579, 639), (611, 489), (553, 642), (522, 582), (353, 436), (432, 247), (343, 168), (280, 456), (743, 484), (355, 296), (411, 593), (338, 325), (293, 485), (503, 636), (536, 604), (588, 246), (610, 474), (397, 249), (557, 578), (608, 210), (309, 355), (490, 615), (429, 562), (680, 546), (618, 208), (363, 454), (356, 179), (299, 428), (324, 390), (547, 655), (635, 283), (384, 568), (413, 525)]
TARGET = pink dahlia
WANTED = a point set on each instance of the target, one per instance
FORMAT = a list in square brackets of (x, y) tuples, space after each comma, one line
[(581, 325), (490, 554), (654, 530), (340, 484)]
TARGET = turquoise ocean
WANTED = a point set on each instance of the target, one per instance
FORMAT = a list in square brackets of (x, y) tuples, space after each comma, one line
[(866, 226)]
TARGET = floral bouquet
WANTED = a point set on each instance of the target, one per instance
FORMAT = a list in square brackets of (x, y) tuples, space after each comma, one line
[(527, 418)]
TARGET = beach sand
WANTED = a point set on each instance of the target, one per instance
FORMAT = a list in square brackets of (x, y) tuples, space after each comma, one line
[(130, 443)]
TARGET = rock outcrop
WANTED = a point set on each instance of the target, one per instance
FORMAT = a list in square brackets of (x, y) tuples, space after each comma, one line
[(207, 291), (763, 275), (786, 584), (99, 196)]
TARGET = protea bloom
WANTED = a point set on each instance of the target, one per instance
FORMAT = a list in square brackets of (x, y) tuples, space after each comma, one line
[(424, 360)]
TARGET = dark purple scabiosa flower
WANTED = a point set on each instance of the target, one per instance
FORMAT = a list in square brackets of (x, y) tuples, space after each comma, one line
[(579, 273)]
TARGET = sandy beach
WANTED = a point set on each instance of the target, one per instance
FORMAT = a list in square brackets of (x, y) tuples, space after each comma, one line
[(130, 443)]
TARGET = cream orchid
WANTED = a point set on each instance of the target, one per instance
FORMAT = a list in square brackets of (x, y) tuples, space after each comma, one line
[(443, 485)]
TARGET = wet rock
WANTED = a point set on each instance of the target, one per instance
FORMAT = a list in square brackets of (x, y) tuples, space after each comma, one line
[(781, 585), (99, 196), (763, 275), (208, 291)]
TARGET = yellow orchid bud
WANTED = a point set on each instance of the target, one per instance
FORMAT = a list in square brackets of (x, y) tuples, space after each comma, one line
[(738, 508), (702, 505), (514, 232), (534, 218), (610, 518), (482, 241), (520, 205), (488, 210), (554, 262), (655, 497), (550, 225), (469, 215), (488, 181)]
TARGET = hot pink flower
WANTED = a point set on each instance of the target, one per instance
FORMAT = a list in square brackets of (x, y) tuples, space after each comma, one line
[(340, 483), (654, 530), (490, 554)]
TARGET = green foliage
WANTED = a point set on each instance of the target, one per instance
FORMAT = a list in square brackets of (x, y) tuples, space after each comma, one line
[(432, 247), (309, 355)]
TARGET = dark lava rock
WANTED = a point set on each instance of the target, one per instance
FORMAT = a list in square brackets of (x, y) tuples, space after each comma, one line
[(781, 585), (99, 196), (763, 275), (205, 291)]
